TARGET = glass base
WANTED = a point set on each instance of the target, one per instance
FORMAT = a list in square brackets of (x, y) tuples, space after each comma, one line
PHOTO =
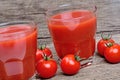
[(86, 62), (33, 77)]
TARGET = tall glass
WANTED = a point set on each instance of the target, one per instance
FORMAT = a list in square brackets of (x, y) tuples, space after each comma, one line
[(72, 28), (18, 45)]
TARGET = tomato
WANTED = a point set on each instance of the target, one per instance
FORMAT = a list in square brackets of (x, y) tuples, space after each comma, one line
[(47, 51), (69, 65), (39, 55), (101, 46), (46, 68), (112, 53), (43, 50)]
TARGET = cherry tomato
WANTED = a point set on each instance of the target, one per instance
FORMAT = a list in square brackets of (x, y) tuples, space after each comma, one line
[(70, 65), (46, 68), (112, 53), (43, 50), (39, 55), (101, 46)]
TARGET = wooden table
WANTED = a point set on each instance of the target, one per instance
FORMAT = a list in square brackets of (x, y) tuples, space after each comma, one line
[(108, 20)]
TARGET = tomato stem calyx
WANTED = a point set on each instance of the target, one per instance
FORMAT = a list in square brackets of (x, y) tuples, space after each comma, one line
[(46, 57), (42, 47), (106, 37), (109, 44), (77, 57)]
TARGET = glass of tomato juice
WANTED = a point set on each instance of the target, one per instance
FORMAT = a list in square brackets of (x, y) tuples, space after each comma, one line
[(18, 45), (73, 28)]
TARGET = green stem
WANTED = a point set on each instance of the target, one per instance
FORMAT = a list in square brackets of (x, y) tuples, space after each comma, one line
[(42, 47), (106, 37), (77, 58), (109, 44), (46, 57)]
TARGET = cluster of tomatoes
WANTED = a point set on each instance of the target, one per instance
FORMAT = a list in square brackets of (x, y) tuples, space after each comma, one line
[(109, 49), (46, 66)]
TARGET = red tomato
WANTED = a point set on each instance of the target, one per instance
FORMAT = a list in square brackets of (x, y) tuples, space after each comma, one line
[(47, 51), (43, 50), (39, 55), (46, 68), (101, 46), (70, 65), (112, 53)]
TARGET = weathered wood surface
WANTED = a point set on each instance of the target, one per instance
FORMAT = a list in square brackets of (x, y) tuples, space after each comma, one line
[(108, 16)]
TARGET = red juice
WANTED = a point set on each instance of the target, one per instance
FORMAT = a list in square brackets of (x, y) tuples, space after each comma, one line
[(18, 44), (72, 32)]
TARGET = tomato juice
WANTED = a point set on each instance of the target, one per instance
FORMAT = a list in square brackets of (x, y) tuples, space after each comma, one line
[(18, 45), (72, 32)]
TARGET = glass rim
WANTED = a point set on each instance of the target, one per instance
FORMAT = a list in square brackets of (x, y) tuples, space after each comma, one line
[(10, 23), (16, 22), (51, 9)]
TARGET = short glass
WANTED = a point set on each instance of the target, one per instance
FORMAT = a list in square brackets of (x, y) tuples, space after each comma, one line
[(73, 28), (18, 45)]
